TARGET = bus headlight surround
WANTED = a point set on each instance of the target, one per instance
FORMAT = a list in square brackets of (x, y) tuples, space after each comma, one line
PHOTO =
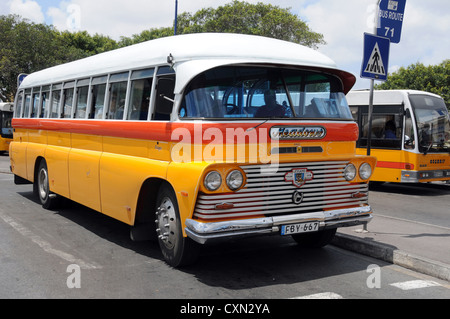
[(235, 179), (350, 172), (365, 171), (213, 181)]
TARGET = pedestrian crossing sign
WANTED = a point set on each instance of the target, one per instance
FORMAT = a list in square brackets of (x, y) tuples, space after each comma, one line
[(376, 57)]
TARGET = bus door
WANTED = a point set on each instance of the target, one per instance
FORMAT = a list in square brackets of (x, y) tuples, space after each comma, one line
[(386, 139)]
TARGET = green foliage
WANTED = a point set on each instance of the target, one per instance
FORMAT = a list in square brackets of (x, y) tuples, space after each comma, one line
[(434, 79), (240, 17), (27, 47)]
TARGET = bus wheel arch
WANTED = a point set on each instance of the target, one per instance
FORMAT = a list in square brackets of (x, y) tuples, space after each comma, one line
[(41, 185), (157, 207)]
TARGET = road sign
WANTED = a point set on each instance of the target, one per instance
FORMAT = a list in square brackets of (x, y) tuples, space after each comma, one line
[(376, 57), (391, 14)]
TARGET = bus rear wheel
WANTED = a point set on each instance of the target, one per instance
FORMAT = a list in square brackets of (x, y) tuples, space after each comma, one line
[(48, 199), (177, 250)]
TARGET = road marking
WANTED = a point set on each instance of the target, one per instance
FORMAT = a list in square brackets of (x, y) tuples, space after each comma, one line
[(324, 295), (415, 284), (46, 246)]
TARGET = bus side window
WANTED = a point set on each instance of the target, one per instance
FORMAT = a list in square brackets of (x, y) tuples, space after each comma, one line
[(164, 98), (139, 100), (18, 108), (55, 101), (36, 104), (80, 107), (409, 131), (68, 100), (26, 108)]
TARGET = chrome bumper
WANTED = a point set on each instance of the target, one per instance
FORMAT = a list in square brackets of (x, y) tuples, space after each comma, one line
[(206, 232)]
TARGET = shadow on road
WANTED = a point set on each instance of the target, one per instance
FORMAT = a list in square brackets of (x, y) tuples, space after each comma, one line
[(238, 264), (419, 189)]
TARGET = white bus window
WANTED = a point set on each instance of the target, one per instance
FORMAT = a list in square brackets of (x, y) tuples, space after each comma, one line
[(26, 108), (67, 103), (36, 102), (117, 96), (117, 101), (98, 101), (18, 108), (82, 99), (45, 99), (139, 100), (55, 101)]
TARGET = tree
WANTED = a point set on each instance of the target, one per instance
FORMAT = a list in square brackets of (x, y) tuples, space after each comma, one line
[(27, 47), (241, 17), (434, 79)]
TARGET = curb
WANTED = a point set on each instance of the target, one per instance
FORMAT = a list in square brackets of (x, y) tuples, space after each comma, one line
[(393, 255)]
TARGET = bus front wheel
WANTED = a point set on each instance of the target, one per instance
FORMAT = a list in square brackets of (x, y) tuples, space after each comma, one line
[(177, 250), (42, 188)]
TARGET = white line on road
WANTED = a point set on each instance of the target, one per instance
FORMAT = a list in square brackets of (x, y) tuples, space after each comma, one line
[(324, 295), (46, 246), (415, 284)]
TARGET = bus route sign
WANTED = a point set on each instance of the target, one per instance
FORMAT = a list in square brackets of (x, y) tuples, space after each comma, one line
[(390, 19)]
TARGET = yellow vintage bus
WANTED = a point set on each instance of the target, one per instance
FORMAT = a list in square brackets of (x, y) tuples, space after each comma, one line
[(6, 131), (410, 135), (196, 138)]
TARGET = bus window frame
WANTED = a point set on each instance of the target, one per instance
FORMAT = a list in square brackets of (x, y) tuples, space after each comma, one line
[(138, 75), (362, 112), (81, 84), (116, 78)]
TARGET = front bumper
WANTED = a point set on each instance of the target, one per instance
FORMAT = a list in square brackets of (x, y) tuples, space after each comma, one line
[(425, 176), (206, 232)]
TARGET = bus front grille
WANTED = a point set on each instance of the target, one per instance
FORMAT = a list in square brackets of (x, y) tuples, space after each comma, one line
[(285, 189)]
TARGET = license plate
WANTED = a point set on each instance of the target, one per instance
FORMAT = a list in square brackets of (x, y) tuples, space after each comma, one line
[(299, 228)]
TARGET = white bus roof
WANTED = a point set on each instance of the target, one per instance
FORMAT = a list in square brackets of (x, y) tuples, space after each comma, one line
[(382, 97), (192, 54), (7, 107)]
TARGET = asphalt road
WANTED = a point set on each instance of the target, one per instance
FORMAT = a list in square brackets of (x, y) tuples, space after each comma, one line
[(78, 253)]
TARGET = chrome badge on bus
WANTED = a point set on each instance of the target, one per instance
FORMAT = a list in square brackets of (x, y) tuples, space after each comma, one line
[(299, 176), (298, 132)]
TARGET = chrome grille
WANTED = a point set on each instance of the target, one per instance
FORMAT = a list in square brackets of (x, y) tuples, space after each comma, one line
[(268, 193)]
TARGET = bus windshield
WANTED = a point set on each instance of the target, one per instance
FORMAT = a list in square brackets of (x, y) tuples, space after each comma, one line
[(433, 123), (264, 93)]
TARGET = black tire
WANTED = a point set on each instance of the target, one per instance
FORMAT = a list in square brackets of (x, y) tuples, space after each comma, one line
[(41, 187), (177, 250), (315, 240)]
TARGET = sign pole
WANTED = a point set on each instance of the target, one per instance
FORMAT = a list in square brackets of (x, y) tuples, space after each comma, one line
[(176, 17), (372, 88)]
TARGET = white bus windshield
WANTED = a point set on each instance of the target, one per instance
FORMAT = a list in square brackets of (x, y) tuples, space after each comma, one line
[(264, 93), (433, 123)]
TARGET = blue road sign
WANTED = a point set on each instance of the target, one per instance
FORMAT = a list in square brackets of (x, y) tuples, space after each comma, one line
[(391, 15), (376, 57)]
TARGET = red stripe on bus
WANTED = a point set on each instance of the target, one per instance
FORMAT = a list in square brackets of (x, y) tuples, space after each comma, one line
[(166, 131), (396, 165)]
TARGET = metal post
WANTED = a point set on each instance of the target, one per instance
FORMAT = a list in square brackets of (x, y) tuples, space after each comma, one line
[(176, 17), (372, 86)]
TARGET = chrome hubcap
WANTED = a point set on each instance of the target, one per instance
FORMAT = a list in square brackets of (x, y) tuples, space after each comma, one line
[(43, 183), (166, 223)]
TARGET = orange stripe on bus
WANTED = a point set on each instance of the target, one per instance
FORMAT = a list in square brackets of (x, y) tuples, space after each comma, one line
[(165, 131)]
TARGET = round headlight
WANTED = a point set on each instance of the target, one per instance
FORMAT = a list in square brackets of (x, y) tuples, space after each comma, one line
[(235, 180), (213, 181), (365, 171), (350, 172)]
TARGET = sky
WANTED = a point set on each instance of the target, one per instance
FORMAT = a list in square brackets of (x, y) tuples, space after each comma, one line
[(425, 35)]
